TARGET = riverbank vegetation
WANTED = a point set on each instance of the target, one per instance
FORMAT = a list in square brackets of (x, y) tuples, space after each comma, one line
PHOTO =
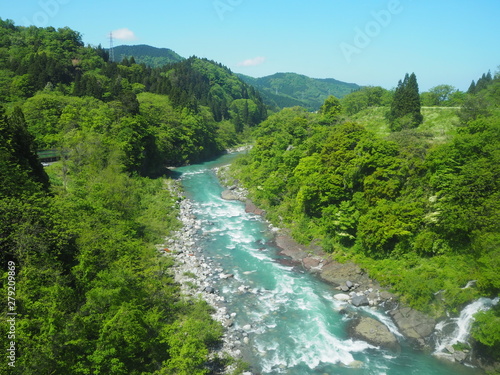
[(415, 204), (92, 292)]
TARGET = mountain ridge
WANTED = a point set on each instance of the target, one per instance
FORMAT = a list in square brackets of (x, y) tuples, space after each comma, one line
[(291, 89), (279, 90), (146, 54)]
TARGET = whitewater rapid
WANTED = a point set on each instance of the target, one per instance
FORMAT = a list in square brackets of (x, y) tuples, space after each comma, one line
[(289, 319)]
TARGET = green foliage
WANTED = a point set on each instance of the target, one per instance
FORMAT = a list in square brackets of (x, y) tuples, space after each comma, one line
[(417, 208), (331, 109), (282, 90), (405, 108), (150, 56), (442, 95), (93, 293), (365, 97), (486, 330)]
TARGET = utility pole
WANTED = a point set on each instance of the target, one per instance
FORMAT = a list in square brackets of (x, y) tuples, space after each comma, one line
[(111, 50)]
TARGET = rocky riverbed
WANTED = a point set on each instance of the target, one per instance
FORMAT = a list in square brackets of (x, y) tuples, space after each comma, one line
[(202, 276), (198, 276), (353, 285)]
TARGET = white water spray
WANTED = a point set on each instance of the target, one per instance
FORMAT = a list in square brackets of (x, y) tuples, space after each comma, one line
[(463, 323)]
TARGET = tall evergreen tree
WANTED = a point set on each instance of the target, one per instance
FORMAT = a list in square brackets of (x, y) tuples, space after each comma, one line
[(405, 108), (472, 88)]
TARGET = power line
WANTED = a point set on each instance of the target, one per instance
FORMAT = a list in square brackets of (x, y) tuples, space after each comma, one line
[(111, 50)]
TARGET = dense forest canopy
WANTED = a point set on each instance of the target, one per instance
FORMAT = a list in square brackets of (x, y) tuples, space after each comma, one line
[(144, 54), (419, 209), (93, 295), (55, 79), (415, 203), (290, 89)]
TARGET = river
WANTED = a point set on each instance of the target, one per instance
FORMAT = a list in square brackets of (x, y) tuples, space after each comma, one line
[(293, 323)]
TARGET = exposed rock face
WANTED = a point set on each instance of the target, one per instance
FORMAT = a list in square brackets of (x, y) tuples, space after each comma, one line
[(375, 333), (413, 324), (339, 273)]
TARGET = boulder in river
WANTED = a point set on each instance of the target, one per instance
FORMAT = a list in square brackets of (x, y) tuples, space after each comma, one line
[(229, 195), (342, 297), (375, 333), (251, 208), (413, 324), (360, 301)]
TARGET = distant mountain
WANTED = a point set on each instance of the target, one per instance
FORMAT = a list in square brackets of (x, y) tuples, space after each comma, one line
[(278, 90), (291, 89), (144, 54)]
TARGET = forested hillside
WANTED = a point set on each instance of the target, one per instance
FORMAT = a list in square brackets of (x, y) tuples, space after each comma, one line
[(290, 89), (144, 54), (418, 209), (77, 239)]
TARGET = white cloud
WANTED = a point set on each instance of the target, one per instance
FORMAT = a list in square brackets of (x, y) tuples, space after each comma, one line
[(124, 34), (252, 62)]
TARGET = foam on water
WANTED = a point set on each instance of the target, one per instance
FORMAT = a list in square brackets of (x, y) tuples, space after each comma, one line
[(385, 319), (463, 323), (294, 326)]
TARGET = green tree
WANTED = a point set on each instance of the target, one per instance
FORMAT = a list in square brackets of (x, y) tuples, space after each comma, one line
[(331, 109), (405, 108)]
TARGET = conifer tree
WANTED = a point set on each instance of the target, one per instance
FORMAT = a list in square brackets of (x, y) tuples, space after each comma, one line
[(405, 108), (472, 88)]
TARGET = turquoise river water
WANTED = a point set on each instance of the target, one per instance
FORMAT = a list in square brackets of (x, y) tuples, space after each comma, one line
[(296, 326)]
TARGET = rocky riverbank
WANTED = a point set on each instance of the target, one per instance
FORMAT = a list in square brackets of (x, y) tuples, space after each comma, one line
[(198, 276), (353, 285)]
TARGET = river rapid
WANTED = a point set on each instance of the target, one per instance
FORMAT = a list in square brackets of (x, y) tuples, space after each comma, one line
[(285, 318)]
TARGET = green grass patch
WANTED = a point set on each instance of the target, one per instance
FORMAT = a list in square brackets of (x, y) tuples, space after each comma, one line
[(373, 119), (441, 122), (433, 285)]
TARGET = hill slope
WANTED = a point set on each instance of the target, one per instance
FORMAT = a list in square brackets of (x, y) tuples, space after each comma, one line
[(291, 89), (144, 54)]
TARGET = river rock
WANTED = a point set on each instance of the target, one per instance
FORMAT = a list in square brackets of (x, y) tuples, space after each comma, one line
[(355, 364), (360, 301), (413, 324), (444, 356), (460, 356), (310, 263), (337, 274), (386, 296), (290, 247), (342, 297), (210, 290), (375, 333), (229, 195), (251, 208)]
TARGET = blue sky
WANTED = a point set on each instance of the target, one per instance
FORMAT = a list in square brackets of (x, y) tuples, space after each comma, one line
[(369, 42)]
